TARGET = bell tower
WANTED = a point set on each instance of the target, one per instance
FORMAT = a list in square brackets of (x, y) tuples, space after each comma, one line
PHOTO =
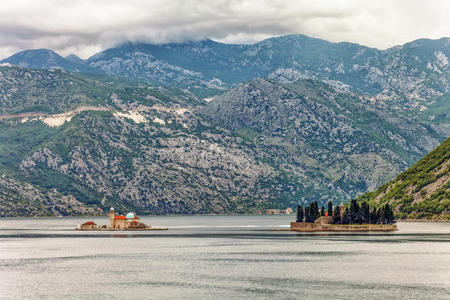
[(111, 218)]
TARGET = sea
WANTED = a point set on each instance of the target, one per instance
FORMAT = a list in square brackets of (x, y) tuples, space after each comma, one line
[(220, 257)]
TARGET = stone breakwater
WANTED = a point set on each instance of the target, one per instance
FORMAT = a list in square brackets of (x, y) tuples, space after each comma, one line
[(311, 227)]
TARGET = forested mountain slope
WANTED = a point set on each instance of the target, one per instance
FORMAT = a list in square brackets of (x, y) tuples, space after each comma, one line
[(422, 191)]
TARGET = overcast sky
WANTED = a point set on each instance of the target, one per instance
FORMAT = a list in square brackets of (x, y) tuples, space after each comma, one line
[(85, 27)]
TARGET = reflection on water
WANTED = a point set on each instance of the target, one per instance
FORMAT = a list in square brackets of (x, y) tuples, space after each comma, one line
[(221, 256)]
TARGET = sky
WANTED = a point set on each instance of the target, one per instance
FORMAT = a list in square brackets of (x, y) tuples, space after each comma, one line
[(86, 27)]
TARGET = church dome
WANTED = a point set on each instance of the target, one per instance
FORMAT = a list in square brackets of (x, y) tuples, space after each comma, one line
[(130, 216)]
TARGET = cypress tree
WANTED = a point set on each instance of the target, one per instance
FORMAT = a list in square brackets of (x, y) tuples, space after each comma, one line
[(364, 213), (373, 216), (316, 210), (353, 213), (381, 216), (392, 216), (322, 211), (346, 216), (388, 214), (307, 215), (337, 215), (310, 212), (330, 208), (300, 215)]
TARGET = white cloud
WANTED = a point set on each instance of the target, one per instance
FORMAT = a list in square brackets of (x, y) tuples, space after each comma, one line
[(85, 27)]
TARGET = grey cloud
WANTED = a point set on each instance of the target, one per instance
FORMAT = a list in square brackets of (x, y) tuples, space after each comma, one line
[(85, 27)]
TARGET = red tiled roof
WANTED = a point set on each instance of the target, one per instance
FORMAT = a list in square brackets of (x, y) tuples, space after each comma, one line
[(134, 221), (119, 218), (88, 223)]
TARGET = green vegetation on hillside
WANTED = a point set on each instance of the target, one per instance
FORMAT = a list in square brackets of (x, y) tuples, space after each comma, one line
[(422, 191), (41, 91)]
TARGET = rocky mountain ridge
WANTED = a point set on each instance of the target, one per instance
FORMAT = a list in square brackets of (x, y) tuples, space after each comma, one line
[(412, 75), (98, 142), (46, 59), (316, 130), (140, 148)]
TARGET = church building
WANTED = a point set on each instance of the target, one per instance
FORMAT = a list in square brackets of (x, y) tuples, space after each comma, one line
[(124, 222)]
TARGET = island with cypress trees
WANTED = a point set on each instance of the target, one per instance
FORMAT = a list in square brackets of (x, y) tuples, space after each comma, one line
[(352, 217)]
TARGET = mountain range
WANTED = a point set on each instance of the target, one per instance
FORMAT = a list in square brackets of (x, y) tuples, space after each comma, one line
[(411, 74), (206, 127)]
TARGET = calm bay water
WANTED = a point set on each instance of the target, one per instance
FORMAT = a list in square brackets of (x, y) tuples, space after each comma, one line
[(220, 257)]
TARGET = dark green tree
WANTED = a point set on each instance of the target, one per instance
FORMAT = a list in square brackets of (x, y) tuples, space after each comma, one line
[(316, 210), (330, 208), (310, 212), (388, 214), (322, 211), (374, 218), (381, 216), (364, 213), (346, 219), (354, 213), (337, 215), (300, 214), (307, 215)]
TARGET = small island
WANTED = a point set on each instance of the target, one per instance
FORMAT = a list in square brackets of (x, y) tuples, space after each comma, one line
[(353, 218), (129, 222)]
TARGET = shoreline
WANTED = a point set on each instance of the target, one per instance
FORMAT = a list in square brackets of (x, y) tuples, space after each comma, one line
[(423, 220), (199, 215), (122, 230), (316, 227)]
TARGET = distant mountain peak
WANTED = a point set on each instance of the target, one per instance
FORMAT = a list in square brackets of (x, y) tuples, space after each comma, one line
[(74, 58), (47, 59)]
